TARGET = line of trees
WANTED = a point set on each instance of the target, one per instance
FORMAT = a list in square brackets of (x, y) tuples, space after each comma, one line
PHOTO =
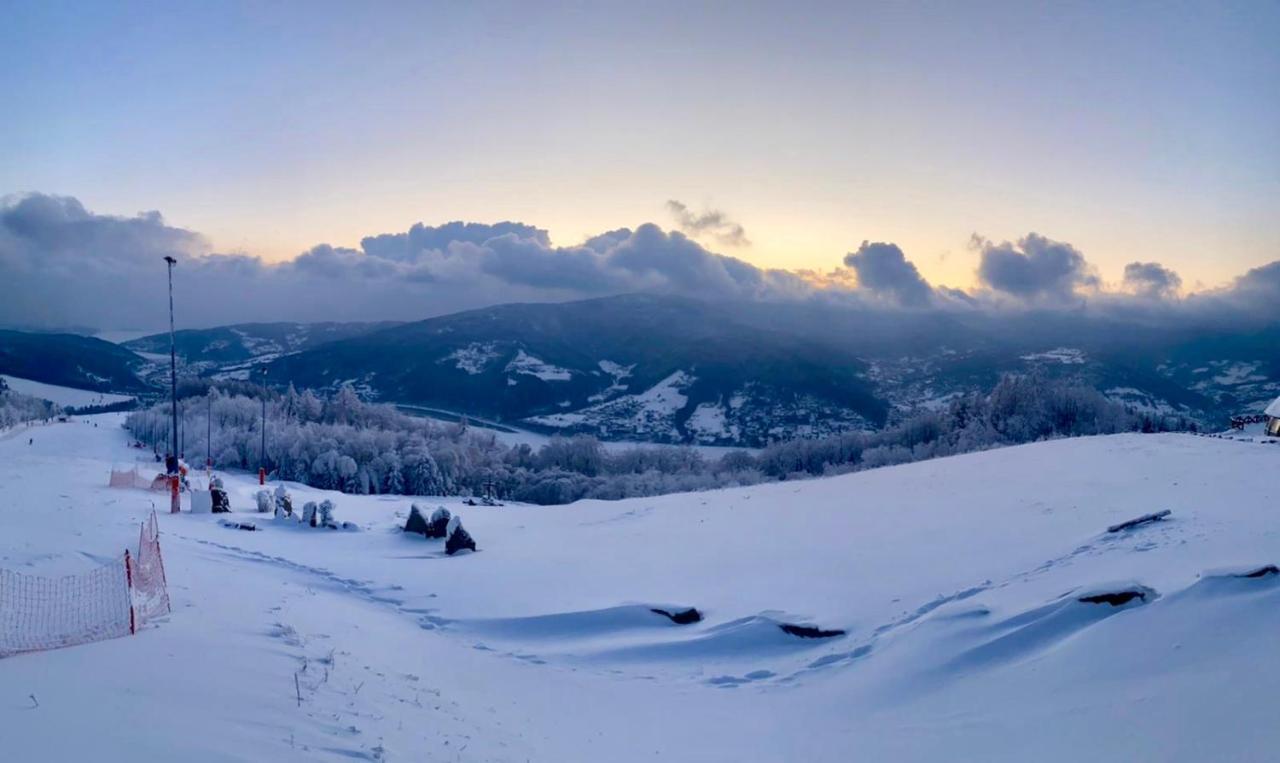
[(342, 443), (16, 408)]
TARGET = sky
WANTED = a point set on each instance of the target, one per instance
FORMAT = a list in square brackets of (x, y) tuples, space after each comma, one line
[(783, 135)]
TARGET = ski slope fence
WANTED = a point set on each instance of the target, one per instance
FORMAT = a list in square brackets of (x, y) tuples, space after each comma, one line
[(111, 600), (132, 478), (146, 574)]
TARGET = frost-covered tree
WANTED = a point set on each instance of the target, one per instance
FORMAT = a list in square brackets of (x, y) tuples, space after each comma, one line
[(16, 408), (343, 443)]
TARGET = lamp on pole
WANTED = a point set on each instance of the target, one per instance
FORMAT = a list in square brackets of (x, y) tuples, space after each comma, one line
[(172, 462)]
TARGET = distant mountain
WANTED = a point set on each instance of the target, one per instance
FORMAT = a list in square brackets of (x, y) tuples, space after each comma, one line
[(671, 369), (232, 350), (631, 367), (70, 360)]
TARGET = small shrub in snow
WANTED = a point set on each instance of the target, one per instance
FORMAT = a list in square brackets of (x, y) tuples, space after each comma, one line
[(326, 514), (309, 513), (458, 538), (284, 503), (264, 501)]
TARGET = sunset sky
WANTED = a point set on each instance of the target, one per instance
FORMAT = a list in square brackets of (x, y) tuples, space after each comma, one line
[(1134, 131)]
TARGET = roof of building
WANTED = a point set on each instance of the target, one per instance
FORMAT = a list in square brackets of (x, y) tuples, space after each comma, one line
[(1274, 408)]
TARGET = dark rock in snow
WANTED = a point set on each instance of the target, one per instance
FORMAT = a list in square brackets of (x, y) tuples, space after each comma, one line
[(438, 527), (416, 523), (1262, 572), (1158, 516), (459, 538), (809, 631), (1115, 598), (680, 617)]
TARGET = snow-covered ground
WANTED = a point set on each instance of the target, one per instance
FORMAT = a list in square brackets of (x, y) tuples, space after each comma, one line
[(69, 396), (958, 582)]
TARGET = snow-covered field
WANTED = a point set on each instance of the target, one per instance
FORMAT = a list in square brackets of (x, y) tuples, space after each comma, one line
[(69, 396), (958, 582)]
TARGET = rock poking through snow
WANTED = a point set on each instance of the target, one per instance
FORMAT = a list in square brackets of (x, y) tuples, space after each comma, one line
[(680, 616), (416, 523), (458, 538), (438, 527)]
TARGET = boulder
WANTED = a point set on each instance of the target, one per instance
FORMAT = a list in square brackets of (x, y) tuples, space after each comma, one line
[(416, 523), (458, 538), (438, 527)]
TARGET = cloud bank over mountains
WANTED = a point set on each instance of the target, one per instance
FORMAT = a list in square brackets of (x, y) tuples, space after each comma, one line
[(63, 265)]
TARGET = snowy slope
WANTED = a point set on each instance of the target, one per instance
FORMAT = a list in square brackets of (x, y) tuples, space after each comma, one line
[(957, 581), (65, 396)]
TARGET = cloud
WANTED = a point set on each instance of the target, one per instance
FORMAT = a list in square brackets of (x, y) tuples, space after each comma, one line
[(1035, 268), (711, 222), (1151, 280), (67, 266), (1253, 297), (62, 265), (884, 270), (419, 238)]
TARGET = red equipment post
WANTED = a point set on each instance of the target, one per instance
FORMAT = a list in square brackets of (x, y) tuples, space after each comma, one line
[(175, 504), (262, 475)]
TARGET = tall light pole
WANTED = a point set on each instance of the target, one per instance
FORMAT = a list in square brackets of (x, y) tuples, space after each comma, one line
[(172, 465), (262, 461)]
